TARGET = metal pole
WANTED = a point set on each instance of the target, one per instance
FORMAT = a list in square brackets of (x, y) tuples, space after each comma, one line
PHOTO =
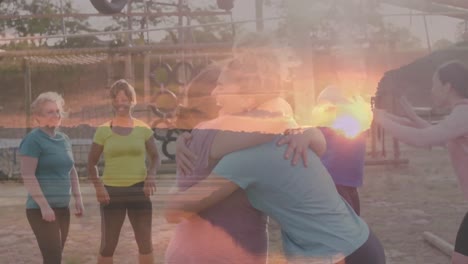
[(259, 15), (135, 30), (27, 93), (64, 30), (146, 82), (428, 39), (180, 23), (110, 70), (147, 10), (129, 43), (146, 77)]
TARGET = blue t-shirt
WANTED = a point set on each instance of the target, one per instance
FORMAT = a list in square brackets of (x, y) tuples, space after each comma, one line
[(315, 221), (55, 161), (344, 157)]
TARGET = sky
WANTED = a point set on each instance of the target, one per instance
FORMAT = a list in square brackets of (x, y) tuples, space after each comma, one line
[(439, 27)]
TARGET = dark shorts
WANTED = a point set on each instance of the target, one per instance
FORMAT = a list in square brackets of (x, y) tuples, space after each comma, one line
[(124, 201), (461, 242), (371, 252)]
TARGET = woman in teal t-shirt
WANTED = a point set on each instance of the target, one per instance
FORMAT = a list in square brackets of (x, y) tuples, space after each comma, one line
[(48, 173), (317, 225)]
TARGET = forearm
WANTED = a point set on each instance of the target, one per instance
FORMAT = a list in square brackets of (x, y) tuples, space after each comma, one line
[(174, 215), (420, 122), (34, 189), (75, 184), (154, 164), (318, 142), (401, 120), (409, 135), (184, 204), (179, 206), (228, 142), (93, 175)]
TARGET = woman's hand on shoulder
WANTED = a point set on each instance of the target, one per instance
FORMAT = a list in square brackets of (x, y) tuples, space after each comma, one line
[(299, 140)]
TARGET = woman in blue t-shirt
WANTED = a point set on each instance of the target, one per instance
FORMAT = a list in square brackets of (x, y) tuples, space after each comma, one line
[(316, 224), (48, 172)]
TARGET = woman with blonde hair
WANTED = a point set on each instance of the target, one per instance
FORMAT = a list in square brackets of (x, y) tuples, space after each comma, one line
[(127, 183), (317, 225), (48, 173)]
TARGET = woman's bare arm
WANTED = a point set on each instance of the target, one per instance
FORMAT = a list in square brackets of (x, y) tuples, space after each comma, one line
[(401, 120), (226, 142), (408, 110), (451, 127), (93, 173), (206, 193), (75, 186), (154, 162), (28, 174), (236, 133), (93, 159)]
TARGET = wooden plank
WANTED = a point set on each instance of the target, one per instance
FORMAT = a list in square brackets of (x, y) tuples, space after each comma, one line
[(455, 3), (375, 162), (438, 243), (162, 48), (429, 7)]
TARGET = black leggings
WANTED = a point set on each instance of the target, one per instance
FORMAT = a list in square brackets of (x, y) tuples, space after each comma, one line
[(50, 236), (461, 242), (371, 252), (129, 201)]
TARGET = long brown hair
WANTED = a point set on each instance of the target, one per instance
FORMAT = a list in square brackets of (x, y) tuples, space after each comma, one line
[(454, 73)]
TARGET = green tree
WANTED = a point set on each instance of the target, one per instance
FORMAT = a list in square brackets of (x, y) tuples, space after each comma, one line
[(327, 24), (24, 27), (137, 22), (197, 34)]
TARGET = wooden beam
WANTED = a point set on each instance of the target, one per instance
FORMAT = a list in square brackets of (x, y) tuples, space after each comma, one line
[(225, 46), (438, 243), (139, 14), (429, 7), (454, 3), (375, 162)]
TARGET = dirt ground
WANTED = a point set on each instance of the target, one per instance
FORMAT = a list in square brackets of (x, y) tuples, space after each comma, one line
[(399, 203)]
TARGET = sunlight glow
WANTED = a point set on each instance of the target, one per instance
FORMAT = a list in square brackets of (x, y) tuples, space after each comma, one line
[(351, 118)]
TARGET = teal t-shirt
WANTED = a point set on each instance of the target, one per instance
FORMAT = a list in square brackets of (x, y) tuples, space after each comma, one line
[(315, 221), (55, 161)]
